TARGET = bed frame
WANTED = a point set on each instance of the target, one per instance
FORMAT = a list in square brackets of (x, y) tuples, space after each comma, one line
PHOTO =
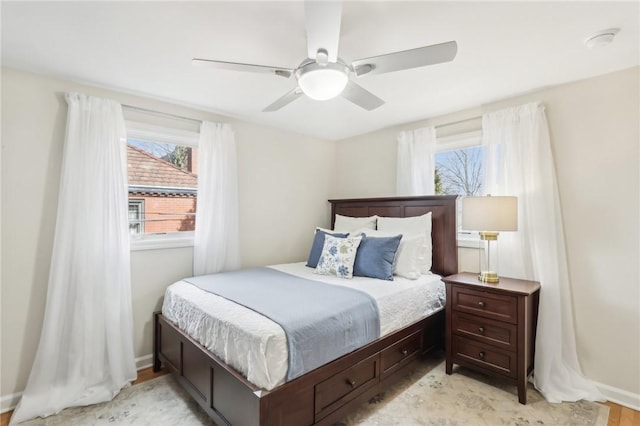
[(327, 394)]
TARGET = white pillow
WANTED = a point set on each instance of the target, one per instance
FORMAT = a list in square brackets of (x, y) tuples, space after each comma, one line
[(348, 223), (417, 225), (338, 256), (407, 261)]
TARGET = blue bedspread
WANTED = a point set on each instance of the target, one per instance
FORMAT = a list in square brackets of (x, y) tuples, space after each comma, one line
[(321, 321)]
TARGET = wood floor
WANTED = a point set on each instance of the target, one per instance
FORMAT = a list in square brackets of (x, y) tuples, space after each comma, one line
[(622, 416), (618, 415)]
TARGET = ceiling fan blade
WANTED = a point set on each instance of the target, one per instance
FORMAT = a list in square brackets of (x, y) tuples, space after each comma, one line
[(413, 58), (322, 19), (235, 66), (284, 100), (361, 97)]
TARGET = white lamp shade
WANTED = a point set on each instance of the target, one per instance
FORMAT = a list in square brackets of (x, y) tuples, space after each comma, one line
[(490, 213), (323, 82)]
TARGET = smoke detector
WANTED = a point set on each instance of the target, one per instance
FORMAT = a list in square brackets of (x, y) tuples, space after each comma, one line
[(601, 38)]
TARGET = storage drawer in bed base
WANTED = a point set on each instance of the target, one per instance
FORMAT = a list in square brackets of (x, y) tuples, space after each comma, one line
[(229, 399)]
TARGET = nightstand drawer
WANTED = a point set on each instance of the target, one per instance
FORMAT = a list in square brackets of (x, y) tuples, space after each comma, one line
[(489, 305), (486, 356), (496, 333)]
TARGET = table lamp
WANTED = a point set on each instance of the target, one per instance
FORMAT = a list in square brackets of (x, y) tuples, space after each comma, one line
[(489, 215)]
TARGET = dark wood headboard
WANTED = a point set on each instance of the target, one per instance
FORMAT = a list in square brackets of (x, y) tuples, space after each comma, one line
[(443, 221)]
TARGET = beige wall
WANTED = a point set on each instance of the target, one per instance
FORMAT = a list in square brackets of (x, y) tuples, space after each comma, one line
[(595, 138), (282, 194)]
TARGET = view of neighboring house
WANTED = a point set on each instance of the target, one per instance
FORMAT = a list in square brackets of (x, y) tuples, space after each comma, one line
[(162, 196)]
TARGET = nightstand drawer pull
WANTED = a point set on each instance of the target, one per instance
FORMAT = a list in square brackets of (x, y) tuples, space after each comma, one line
[(481, 355), (481, 303), (481, 330), (404, 352), (351, 382)]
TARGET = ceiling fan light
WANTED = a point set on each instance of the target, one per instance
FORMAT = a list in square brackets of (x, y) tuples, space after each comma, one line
[(322, 82)]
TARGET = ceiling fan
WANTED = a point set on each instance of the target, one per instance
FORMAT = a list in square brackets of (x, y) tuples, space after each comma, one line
[(323, 75)]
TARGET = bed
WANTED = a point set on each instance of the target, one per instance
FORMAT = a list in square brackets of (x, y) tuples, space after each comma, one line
[(325, 394)]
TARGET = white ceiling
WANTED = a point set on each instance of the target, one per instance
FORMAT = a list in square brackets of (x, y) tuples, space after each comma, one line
[(504, 49)]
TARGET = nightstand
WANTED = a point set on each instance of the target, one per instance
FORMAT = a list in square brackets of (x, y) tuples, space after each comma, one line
[(491, 328)]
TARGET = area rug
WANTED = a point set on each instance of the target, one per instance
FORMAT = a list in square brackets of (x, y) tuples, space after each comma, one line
[(426, 397)]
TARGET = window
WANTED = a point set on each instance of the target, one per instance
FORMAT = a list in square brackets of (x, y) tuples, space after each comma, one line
[(136, 212), (459, 171), (163, 186)]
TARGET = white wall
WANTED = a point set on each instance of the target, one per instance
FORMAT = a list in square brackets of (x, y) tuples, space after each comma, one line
[(290, 178), (595, 138), (283, 192)]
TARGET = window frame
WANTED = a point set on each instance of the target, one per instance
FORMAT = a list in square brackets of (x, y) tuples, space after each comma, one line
[(161, 134), (470, 239)]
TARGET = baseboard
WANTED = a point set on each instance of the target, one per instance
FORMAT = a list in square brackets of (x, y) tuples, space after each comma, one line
[(620, 396), (144, 361), (9, 402)]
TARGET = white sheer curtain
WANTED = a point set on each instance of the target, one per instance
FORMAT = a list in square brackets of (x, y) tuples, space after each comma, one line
[(216, 244), (415, 171), (85, 355), (518, 161)]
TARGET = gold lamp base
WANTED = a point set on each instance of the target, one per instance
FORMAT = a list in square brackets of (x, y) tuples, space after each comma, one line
[(488, 277), (489, 235)]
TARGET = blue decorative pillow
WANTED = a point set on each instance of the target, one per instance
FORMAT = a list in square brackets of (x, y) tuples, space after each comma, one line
[(318, 243), (375, 257), (338, 256)]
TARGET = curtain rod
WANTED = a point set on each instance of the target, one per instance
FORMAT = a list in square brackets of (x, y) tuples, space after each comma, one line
[(165, 114), (453, 123)]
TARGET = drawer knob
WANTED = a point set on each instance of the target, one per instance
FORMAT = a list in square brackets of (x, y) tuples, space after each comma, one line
[(480, 329), (351, 382), (405, 352), (481, 303), (481, 355)]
